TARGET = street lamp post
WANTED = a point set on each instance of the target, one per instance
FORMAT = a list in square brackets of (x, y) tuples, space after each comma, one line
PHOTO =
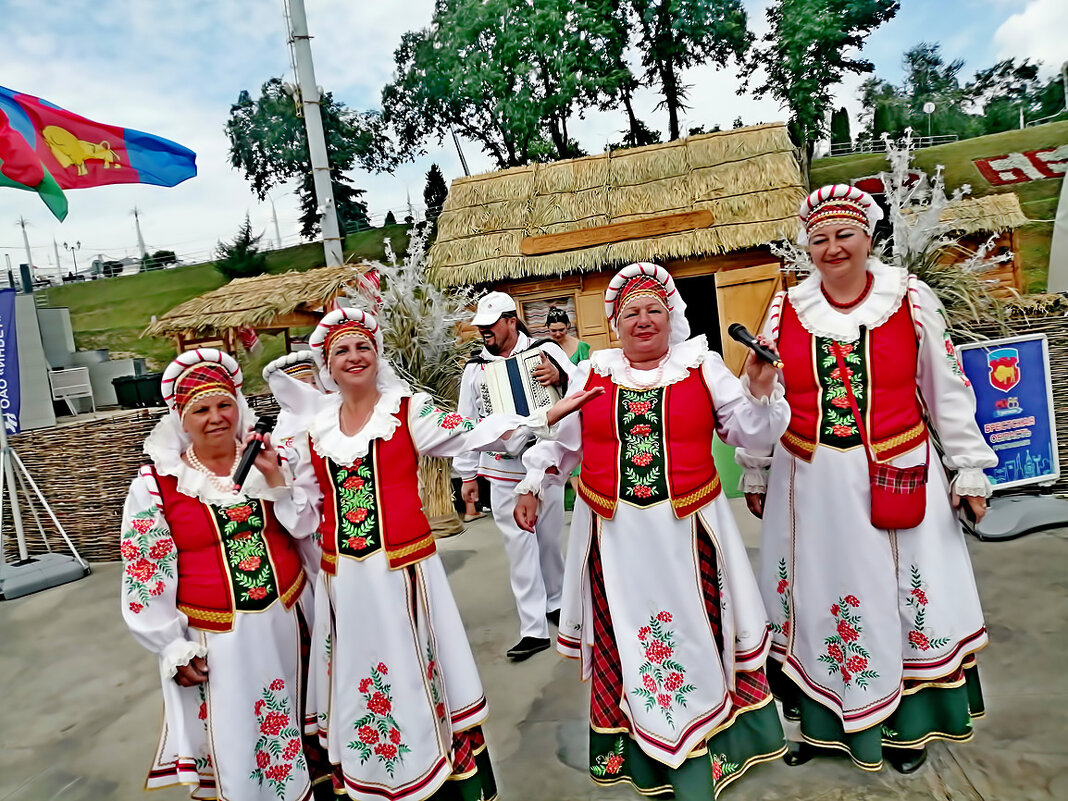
[(71, 249)]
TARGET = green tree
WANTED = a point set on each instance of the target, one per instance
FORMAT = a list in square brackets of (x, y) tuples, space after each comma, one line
[(930, 79), (840, 133), (269, 145), (620, 17), (508, 75), (673, 35), (806, 52), (434, 193), (391, 219), (241, 256), (884, 110), (1001, 91)]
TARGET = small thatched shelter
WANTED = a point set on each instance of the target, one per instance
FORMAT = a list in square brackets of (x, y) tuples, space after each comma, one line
[(268, 303), (974, 221), (705, 207)]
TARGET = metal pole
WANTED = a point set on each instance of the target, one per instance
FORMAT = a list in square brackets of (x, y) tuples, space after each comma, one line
[(26, 242), (300, 41), (59, 267), (274, 216), (140, 239), (9, 478), (463, 161)]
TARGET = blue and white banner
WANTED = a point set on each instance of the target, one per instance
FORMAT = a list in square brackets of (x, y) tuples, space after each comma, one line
[(1014, 407), (10, 398)]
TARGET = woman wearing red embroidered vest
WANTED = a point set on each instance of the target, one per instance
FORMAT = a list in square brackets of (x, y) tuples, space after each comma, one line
[(400, 700), (875, 614), (660, 602), (211, 584)]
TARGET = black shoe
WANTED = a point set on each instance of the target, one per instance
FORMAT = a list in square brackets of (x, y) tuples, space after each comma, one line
[(798, 754), (553, 617), (527, 647), (906, 760)]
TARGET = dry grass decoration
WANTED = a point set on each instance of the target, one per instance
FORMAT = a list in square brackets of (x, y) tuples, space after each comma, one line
[(748, 178)]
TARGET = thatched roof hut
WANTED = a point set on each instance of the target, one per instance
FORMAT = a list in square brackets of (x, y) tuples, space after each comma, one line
[(992, 214), (748, 179), (265, 303)]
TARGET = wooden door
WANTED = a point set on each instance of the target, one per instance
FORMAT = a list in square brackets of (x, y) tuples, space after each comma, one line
[(743, 296)]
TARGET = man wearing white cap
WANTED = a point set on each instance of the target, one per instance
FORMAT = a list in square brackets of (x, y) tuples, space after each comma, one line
[(535, 562)]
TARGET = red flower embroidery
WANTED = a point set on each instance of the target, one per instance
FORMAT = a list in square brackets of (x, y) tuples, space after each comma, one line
[(644, 632), (353, 483), (395, 736), (642, 459), (663, 617), (783, 584), (430, 670), (292, 749), (387, 750), (278, 684), (451, 420), (379, 704), (273, 723), (249, 564), (837, 373), (439, 709), (641, 430), (643, 491), (142, 570), (786, 628), (835, 609), (365, 685), (129, 551), (278, 772), (673, 681), (650, 683), (835, 653), (639, 407), (161, 548), (841, 402), (846, 675), (919, 639), (852, 600), (203, 713), (263, 759), (259, 706), (239, 514), (142, 525), (357, 543), (157, 589), (356, 462), (367, 735), (841, 431), (846, 632), (920, 596), (383, 669), (664, 700), (613, 764), (356, 516), (257, 593), (856, 663), (657, 652), (845, 350), (136, 607)]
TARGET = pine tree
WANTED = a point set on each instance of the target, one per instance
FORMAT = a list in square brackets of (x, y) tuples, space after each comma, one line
[(435, 192), (391, 219), (241, 256)]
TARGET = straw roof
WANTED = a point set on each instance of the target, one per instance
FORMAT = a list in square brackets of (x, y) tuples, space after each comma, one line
[(748, 178), (256, 302), (986, 214)]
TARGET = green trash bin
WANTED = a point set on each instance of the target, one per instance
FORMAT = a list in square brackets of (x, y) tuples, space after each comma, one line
[(149, 391), (126, 391)]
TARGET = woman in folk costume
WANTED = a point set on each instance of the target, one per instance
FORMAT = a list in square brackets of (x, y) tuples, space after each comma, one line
[(213, 585), (873, 604), (294, 381), (401, 701), (660, 602)]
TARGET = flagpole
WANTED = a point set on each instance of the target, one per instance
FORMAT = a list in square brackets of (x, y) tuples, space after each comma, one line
[(300, 42), (29, 255)]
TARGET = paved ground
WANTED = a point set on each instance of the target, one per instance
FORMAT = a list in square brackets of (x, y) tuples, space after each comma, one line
[(80, 708)]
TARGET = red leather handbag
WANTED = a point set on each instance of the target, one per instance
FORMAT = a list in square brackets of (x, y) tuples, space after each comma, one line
[(898, 494)]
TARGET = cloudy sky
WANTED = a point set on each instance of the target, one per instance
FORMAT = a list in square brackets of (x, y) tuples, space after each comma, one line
[(174, 67)]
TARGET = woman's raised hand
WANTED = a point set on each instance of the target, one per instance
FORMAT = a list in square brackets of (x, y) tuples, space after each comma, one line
[(267, 461), (762, 375)]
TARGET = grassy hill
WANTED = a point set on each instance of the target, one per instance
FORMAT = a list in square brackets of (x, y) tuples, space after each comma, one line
[(1037, 198), (112, 313)]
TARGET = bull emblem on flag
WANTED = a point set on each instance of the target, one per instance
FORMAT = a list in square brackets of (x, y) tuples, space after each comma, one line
[(1004, 368), (69, 150)]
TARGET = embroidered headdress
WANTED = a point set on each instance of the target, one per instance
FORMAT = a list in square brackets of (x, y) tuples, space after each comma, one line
[(346, 322), (837, 204), (300, 364), (644, 279), (198, 374)]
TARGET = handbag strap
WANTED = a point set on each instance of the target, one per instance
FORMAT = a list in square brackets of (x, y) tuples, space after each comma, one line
[(843, 372)]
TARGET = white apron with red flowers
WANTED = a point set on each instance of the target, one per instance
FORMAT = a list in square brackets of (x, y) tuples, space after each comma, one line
[(238, 736)]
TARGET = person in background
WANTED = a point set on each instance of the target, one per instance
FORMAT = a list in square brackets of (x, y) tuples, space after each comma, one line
[(875, 615), (213, 585), (660, 603), (559, 325), (535, 563)]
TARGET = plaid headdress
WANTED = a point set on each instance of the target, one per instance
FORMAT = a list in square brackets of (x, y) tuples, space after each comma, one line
[(644, 279), (198, 374)]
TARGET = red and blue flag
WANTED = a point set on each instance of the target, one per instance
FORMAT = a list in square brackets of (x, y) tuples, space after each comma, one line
[(73, 152)]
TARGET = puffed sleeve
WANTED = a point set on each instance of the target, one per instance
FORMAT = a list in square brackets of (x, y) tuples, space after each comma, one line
[(466, 462), (563, 451), (743, 420), (150, 578), (298, 509), (755, 461), (948, 396), (440, 432)]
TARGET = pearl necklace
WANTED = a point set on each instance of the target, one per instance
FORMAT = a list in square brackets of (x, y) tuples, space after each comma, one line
[(643, 383), (225, 483)]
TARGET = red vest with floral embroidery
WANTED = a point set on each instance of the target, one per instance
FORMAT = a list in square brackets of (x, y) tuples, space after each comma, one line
[(231, 558), (374, 503), (892, 411), (647, 446)]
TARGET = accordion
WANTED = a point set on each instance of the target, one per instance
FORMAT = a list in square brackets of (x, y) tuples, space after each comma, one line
[(508, 386)]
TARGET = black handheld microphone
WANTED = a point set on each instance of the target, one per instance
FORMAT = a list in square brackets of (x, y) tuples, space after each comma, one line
[(738, 332), (264, 425)]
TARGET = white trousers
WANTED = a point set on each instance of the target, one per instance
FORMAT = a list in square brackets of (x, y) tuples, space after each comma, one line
[(535, 561)]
